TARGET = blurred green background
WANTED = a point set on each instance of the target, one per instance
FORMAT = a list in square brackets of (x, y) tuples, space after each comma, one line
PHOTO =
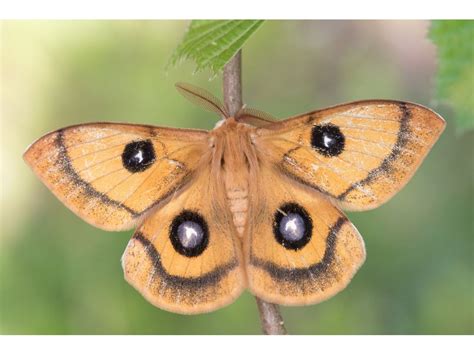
[(58, 275)]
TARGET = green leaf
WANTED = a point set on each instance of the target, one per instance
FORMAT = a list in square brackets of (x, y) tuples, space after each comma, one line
[(455, 77), (211, 43)]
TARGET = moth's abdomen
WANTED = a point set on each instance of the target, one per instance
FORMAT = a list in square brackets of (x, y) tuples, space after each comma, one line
[(233, 157), (238, 204)]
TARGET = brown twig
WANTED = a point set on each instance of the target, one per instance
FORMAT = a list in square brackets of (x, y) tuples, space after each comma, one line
[(272, 322), (233, 84), (270, 316)]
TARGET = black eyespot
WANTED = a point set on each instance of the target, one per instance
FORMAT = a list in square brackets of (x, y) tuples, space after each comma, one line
[(138, 156), (189, 233), (292, 226), (327, 139)]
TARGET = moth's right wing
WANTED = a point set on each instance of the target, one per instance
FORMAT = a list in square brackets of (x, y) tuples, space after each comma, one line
[(360, 154), (300, 249)]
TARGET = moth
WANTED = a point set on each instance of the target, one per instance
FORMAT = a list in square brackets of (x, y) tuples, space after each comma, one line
[(251, 204)]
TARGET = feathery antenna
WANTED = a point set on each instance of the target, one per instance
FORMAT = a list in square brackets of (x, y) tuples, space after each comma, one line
[(254, 117), (202, 98)]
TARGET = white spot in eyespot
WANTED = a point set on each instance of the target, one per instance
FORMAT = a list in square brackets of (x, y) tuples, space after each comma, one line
[(292, 227), (190, 234), (327, 141), (139, 156)]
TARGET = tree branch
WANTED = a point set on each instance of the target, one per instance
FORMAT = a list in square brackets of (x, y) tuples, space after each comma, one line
[(233, 84), (270, 317)]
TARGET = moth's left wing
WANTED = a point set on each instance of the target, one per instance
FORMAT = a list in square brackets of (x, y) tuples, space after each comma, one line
[(112, 174), (186, 257), (359, 154)]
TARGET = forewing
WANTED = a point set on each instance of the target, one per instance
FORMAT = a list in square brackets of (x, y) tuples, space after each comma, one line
[(111, 175), (360, 154)]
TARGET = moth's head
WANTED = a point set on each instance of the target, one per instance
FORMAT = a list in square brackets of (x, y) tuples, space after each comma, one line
[(222, 121)]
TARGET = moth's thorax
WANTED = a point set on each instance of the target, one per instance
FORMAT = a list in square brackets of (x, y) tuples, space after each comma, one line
[(234, 156)]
